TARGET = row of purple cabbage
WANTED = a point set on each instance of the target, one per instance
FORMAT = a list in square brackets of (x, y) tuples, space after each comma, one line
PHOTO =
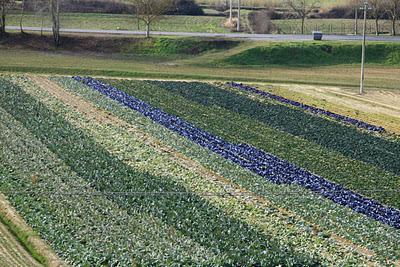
[(312, 109), (264, 164)]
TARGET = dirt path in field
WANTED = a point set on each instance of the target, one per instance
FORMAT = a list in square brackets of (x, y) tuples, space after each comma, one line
[(12, 253), (244, 196)]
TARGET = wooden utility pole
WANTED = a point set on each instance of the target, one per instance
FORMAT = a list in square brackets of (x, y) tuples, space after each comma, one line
[(363, 49)]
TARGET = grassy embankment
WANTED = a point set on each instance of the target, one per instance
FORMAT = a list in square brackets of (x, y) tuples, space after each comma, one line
[(327, 63)]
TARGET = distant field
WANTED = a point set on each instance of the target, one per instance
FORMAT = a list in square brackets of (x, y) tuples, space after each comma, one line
[(260, 3), (331, 26), (125, 22), (192, 23)]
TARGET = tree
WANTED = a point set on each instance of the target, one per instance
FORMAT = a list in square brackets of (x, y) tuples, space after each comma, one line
[(355, 4), (377, 10), (4, 6), (41, 8), (149, 11), (302, 8), (55, 18), (22, 15), (230, 11), (392, 8)]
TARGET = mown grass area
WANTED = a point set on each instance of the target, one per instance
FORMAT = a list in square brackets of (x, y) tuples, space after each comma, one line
[(315, 54), (369, 108), (124, 22), (73, 64)]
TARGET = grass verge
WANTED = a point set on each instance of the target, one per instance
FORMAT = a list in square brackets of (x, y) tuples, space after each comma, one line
[(23, 237)]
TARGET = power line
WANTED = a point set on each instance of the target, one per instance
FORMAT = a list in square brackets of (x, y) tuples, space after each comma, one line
[(182, 193)]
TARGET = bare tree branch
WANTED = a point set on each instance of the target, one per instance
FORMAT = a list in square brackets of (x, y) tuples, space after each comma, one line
[(55, 18), (302, 8), (392, 8), (149, 11), (377, 10)]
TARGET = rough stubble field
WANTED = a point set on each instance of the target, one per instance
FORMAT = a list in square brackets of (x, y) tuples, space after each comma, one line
[(121, 183)]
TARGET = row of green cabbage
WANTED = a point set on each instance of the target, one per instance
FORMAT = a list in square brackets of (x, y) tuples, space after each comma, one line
[(332, 218), (204, 105)]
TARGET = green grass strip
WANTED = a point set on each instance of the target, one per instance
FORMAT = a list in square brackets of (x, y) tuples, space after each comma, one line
[(159, 75)]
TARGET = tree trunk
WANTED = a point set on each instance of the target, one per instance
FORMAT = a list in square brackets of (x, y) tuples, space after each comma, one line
[(393, 26), (377, 26), (3, 20), (41, 25), (302, 25), (55, 16), (137, 18), (238, 19), (356, 21), (230, 11), (147, 29), (22, 16)]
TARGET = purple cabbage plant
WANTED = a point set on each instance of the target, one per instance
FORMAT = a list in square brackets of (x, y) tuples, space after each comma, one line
[(342, 118)]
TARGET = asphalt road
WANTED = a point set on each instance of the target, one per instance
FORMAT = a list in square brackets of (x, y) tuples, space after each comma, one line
[(245, 36)]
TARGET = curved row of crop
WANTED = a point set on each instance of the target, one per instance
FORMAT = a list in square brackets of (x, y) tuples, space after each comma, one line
[(141, 151), (342, 118), (330, 134), (98, 170), (258, 161), (83, 225), (319, 211), (282, 131)]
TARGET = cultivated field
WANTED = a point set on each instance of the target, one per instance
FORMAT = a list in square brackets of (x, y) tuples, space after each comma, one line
[(170, 172)]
